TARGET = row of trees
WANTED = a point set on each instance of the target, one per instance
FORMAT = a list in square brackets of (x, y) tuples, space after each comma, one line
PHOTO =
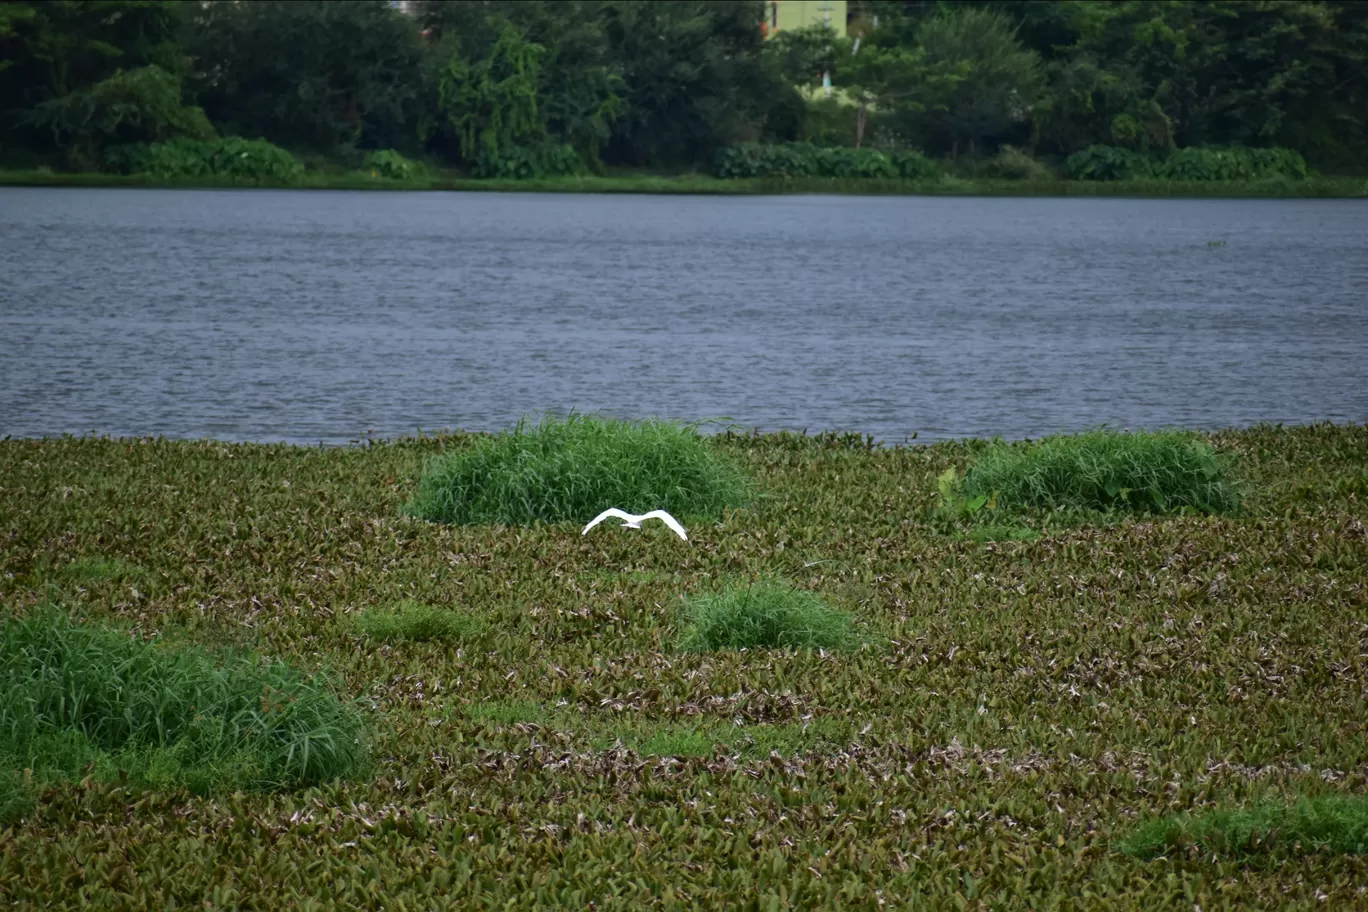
[(525, 86)]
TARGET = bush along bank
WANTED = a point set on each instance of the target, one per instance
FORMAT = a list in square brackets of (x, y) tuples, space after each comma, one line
[(1198, 164), (1095, 163)]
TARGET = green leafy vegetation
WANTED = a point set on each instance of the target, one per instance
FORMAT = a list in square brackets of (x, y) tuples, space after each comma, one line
[(232, 159), (139, 105), (655, 738), (571, 470), (1190, 92), (1027, 705), (1012, 163), (1103, 470), (982, 534), (1107, 163), (1334, 823), (390, 164), (790, 160), (78, 699), (418, 622), (764, 615)]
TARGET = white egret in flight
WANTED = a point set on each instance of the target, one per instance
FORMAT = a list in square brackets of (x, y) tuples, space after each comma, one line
[(629, 521)]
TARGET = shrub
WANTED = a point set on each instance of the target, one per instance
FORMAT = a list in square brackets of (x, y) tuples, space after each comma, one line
[(1101, 469), (410, 620), (914, 166), (1235, 163), (234, 158), (576, 468), (1108, 163), (390, 164), (750, 160), (1012, 163), (75, 697), (768, 615), (842, 162), (800, 159), (529, 162), (1332, 823)]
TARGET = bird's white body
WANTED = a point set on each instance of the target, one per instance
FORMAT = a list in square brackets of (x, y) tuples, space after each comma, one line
[(632, 521)]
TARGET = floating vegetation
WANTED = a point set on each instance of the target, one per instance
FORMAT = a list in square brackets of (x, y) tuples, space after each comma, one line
[(984, 534), (685, 739), (1026, 708), (573, 469)]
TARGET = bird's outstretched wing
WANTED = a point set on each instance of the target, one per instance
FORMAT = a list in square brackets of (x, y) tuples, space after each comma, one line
[(668, 520), (608, 514)]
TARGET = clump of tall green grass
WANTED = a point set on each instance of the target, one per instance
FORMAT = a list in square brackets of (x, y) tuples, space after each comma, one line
[(1331, 823), (77, 699), (765, 615), (417, 622), (575, 468), (1148, 471)]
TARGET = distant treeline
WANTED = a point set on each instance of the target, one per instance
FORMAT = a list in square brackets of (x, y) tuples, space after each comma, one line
[(522, 88)]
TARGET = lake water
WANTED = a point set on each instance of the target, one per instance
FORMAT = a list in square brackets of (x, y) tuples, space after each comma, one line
[(315, 316)]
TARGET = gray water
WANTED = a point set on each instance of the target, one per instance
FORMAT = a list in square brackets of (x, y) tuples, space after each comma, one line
[(325, 316)]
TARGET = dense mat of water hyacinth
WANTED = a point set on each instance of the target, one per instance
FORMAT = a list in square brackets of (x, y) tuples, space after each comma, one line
[(1028, 705)]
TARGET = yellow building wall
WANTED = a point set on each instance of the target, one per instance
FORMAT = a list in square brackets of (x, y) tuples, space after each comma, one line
[(785, 15)]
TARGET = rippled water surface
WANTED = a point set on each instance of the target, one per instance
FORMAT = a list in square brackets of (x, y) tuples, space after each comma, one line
[(319, 316)]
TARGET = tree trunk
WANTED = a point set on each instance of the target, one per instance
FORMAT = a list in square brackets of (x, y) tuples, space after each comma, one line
[(861, 116)]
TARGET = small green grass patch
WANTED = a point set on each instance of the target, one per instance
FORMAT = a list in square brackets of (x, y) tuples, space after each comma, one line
[(79, 699), (417, 622), (765, 615), (702, 739), (1330, 823), (573, 469), (1146, 471), (86, 570)]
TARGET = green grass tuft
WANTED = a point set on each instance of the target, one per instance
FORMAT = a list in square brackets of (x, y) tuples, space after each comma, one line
[(1331, 823), (703, 739), (676, 743), (417, 622), (1157, 471), (78, 700), (572, 470), (767, 615), (510, 712), (99, 569)]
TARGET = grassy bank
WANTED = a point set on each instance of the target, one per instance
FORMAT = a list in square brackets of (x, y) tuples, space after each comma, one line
[(1020, 713), (700, 184)]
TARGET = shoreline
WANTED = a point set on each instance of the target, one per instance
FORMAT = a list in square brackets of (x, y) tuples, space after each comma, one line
[(1315, 188), (848, 439)]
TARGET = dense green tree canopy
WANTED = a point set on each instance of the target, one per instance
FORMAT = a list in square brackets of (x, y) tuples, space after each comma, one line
[(569, 84), (310, 73)]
